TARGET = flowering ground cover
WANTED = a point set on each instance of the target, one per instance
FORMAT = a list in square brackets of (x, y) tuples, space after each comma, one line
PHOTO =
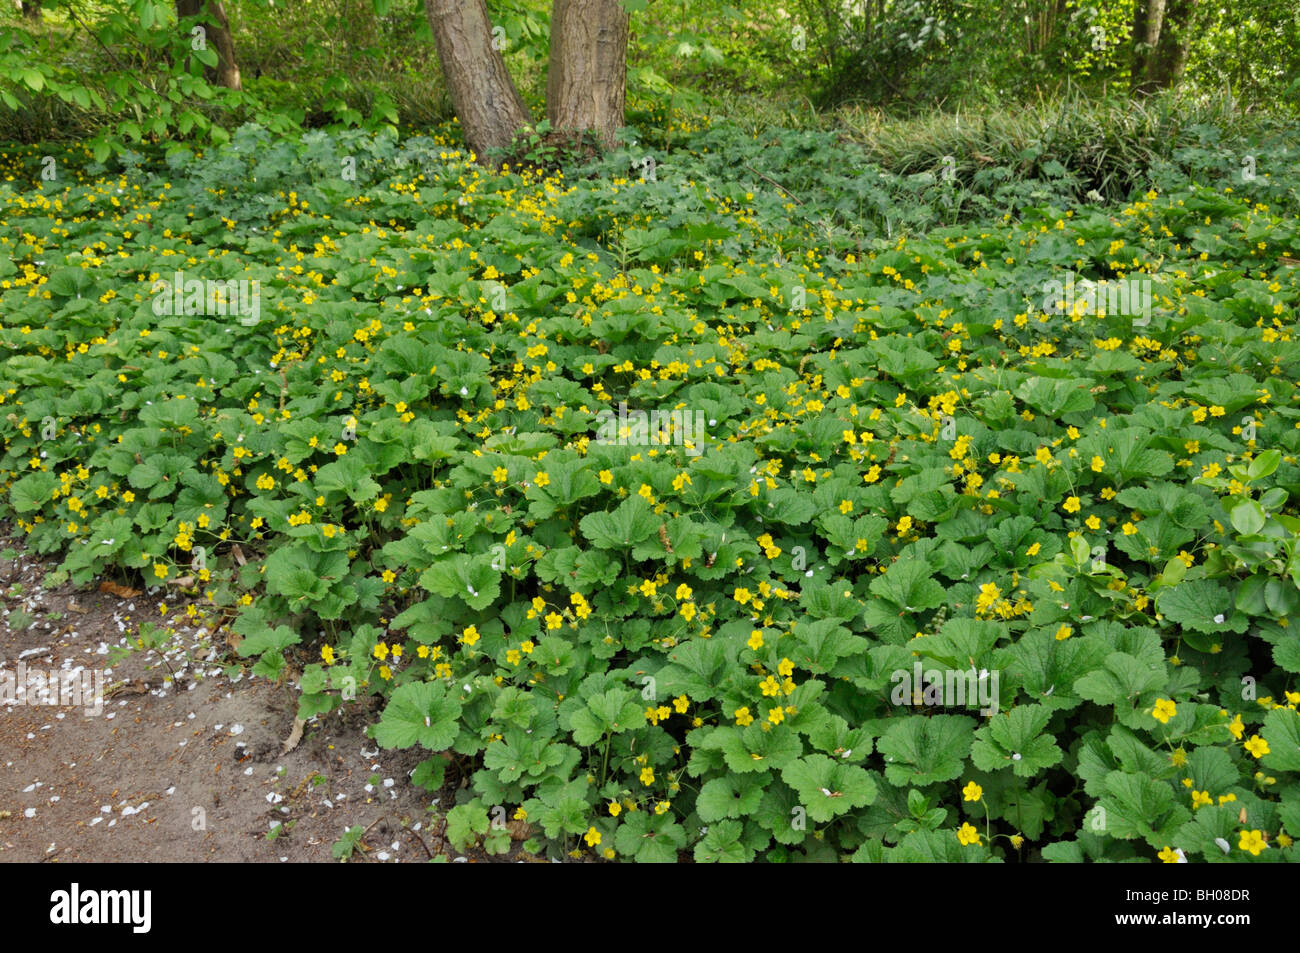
[(974, 541)]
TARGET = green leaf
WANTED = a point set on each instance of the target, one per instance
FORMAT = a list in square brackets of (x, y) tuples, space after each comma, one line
[(472, 580), (730, 796), (419, 713), (1248, 517), (1264, 464), (610, 712), (1201, 605), (650, 838), (632, 522), (267, 639), (1282, 732), (921, 751), (1014, 739), (721, 845), (909, 586), (828, 788), (1121, 677), (466, 823), (1138, 807)]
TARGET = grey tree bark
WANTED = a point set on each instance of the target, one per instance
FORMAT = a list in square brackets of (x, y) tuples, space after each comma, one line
[(586, 80), (486, 101)]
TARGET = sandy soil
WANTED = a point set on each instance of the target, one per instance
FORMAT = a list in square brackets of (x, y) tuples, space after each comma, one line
[(185, 760)]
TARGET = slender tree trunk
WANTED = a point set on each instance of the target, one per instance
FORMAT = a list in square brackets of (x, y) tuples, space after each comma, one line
[(1170, 57), (1148, 17), (217, 28), (489, 106), (587, 76)]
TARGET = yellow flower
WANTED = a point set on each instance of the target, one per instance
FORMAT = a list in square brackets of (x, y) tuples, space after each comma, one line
[(1064, 632), (776, 715), (972, 792), (470, 636), (615, 809), (1236, 727), (1257, 746), (743, 717), (904, 525), (500, 474), (1252, 841), (1168, 855), (755, 640), (1201, 799), (1164, 710), (380, 651), (1098, 464), (967, 835), (592, 837), (647, 776), (1071, 505), (1016, 841), (327, 653), (785, 668)]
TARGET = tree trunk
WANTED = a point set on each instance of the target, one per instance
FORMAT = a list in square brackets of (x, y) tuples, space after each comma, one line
[(1170, 57), (1148, 19), (587, 76), (489, 106), (217, 29), (31, 9)]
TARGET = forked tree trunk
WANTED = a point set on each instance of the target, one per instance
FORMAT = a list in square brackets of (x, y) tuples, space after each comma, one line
[(586, 79), (217, 28), (489, 106)]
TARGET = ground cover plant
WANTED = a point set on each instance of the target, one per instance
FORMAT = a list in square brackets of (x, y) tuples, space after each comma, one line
[(380, 406)]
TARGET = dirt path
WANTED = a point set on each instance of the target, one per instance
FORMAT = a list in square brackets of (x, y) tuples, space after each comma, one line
[(185, 760)]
